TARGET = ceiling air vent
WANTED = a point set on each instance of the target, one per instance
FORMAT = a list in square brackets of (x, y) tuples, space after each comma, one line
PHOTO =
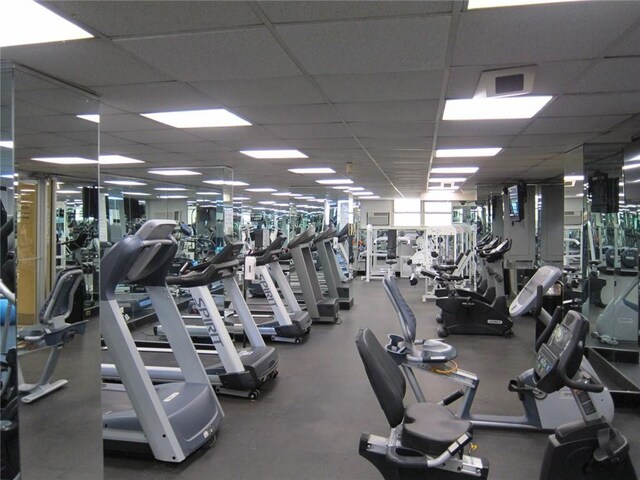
[(506, 82)]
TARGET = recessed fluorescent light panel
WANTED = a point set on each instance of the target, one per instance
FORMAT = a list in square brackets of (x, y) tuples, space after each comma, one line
[(232, 183), (574, 178), (312, 170), (261, 190), (171, 189), (363, 194), (90, 118), (440, 187), (68, 192), (137, 194), (217, 117), (335, 181), (27, 22), (447, 180), (631, 167), (65, 160), (208, 193), (267, 202), (369, 197), (116, 160), (241, 198), (454, 170), (6, 144), (467, 152), (125, 183), (476, 4), (172, 197), (174, 173), (494, 108), (274, 153), (341, 187)]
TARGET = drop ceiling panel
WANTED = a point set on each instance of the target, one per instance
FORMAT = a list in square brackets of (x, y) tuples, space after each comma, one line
[(573, 124), (107, 140), (376, 87), (322, 143), (156, 97), (60, 100), (416, 153), (132, 150), (628, 46), (393, 129), (24, 109), (374, 142), (369, 46), (533, 34), (610, 75), (317, 130), (402, 111), (248, 132), (85, 62), (135, 18), (551, 78), (304, 11), (172, 135), (126, 122), (474, 141), (264, 91), (234, 54), (455, 128), (189, 147), (594, 104), (55, 123), (286, 114), (43, 140), (338, 154), (568, 140), (254, 144)]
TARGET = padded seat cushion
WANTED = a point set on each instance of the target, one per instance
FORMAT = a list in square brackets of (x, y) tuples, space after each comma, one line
[(431, 428)]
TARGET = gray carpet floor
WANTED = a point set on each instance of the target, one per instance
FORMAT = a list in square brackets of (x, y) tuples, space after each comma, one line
[(307, 423)]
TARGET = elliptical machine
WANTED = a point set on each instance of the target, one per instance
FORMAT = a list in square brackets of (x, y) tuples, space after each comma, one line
[(467, 312)]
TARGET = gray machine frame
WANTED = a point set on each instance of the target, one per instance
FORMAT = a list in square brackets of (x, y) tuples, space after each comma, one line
[(541, 412), (173, 419), (330, 268)]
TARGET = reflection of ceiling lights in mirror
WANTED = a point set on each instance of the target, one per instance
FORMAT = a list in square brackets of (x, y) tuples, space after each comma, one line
[(341, 187), (208, 193), (264, 190), (6, 144), (125, 183), (65, 160), (232, 183), (90, 118), (467, 152), (312, 170), (69, 192), (172, 197), (174, 172), (363, 194), (494, 108), (238, 199), (171, 189), (267, 202), (217, 117), (286, 194), (26, 22), (573, 178), (335, 181), (116, 160), (632, 166), (441, 187), (274, 153), (476, 4), (139, 194), (355, 189), (369, 197), (454, 170)]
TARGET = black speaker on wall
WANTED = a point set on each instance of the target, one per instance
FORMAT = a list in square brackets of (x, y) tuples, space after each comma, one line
[(90, 202)]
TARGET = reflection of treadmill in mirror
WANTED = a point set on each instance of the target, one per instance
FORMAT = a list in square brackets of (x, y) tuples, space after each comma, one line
[(330, 268), (171, 420), (321, 309)]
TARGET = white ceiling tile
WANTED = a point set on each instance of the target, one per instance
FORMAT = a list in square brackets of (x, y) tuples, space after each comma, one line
[(88, 62), (393, 129), (320, 143), (305, 11), (401, 111), (44, 140), (470, 142), (249, 132), (155, 97), (156, 17), (264, 91), (596, 104), (540, 33), (235, 54), (107, 140), (172, 135), (378, 87), (610, 75), (253, 144), (627, 46), (568, 140), (376, 142), (559, 125), (400, 153), (369, 46), (60, 100), (286, 114), (316, 130), (133, 150), (126, 122), (459, 128), (55, 123), (189, 147)]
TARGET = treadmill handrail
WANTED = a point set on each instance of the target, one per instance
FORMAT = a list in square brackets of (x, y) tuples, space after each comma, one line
[(302, 238)]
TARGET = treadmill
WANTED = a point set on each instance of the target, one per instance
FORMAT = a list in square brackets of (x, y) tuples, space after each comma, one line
[(239, 373), (320, 308), (330, 268), (290, 325), (172, 420)]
